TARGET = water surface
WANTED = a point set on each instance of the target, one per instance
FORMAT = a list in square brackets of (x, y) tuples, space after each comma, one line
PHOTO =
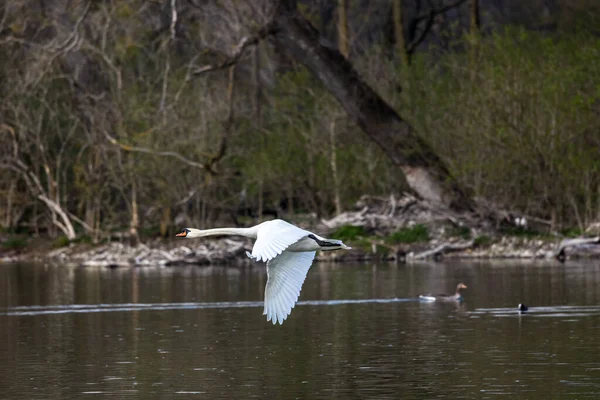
[(358, 332)]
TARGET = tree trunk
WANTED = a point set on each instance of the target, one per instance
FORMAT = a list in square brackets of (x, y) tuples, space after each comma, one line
[(9, 206), (62, 222), (425, 171), (474, 17), (475, 26), (134, 222), (399, 33), (257, 122), (165, 221), (342, 28), (334, 175)]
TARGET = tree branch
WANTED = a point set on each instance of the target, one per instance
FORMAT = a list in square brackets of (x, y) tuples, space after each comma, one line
[(208, 166), (239, 49), (560, 252), (426, 173), (429, 17), (443, 248)]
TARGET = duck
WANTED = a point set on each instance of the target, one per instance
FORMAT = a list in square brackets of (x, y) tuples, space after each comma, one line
[(288, 252), (522, 307), (445, 297)]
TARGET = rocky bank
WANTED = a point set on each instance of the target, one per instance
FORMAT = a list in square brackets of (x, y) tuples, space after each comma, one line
[(380, 230)]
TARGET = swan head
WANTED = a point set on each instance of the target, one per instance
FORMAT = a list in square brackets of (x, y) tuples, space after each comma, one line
[(184, 232), (190, 233)]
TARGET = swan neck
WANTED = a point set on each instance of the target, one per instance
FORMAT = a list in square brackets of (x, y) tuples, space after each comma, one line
[(248, 232)]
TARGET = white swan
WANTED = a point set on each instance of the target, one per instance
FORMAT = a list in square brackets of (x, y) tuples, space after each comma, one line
[(288, 251)]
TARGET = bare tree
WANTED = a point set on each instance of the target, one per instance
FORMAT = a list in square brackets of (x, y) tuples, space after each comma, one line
[(424, 170), (342, 25), (474, 18), (399, 33)]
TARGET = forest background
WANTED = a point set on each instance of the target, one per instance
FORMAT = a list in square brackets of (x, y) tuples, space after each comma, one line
[(143, 117)]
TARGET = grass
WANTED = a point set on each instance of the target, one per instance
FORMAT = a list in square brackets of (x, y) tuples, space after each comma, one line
[(61, 241), (349, 233), (14, 243), (522, 232), (482, 240), (461, 231), (571, 232), (417, 233)]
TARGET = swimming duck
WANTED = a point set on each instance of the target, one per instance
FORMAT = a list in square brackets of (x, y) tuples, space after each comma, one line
[(445, 297), (522, 307)]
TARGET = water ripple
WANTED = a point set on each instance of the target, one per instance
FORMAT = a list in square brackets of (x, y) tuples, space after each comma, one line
[(546, 312), (95, 308)]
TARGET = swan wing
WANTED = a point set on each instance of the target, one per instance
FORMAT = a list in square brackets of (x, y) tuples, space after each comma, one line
[(273, 237), (285, 275)]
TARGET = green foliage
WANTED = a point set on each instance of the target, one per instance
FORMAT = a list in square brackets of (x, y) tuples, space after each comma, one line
[(512, 116), (482, 240), (14, 243), (349, 233), (61, 241), (417, 233), (571, 232), (83, 239), (522, 232), (463, 232), (150, 231)]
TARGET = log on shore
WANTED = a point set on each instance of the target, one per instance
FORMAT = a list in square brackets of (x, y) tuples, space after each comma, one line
[(586, 244)]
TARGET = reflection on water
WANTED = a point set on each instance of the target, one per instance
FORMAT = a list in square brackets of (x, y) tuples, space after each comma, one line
[(358, 332)]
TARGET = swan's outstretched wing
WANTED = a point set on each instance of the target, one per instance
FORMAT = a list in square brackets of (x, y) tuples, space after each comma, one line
[(274, 237), (285, 276)]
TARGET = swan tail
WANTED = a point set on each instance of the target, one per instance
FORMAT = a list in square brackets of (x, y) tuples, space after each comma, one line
[(329, 244)]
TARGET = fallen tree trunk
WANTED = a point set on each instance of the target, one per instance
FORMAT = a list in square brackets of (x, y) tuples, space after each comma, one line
[(560, 252), (424, 170), (442, 249)]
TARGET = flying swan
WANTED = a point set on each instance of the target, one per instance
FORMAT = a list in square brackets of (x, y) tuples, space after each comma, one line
[(288, 251)]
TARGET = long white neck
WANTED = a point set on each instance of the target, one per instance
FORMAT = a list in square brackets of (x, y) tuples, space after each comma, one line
[(248, 232)]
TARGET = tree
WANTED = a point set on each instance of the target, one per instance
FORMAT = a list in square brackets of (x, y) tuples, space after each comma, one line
[(342, 25), (424, 170), (399, 33)]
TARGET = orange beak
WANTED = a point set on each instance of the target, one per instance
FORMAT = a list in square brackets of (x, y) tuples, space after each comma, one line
[(182, 234)]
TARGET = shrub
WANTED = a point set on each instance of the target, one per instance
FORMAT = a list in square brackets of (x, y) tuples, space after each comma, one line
[(417, 233), (482, 240), (349, 232), (15, 243), (461, 231), (60, 241)]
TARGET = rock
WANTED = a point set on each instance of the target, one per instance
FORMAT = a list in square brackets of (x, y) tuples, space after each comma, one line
[(593, 229)]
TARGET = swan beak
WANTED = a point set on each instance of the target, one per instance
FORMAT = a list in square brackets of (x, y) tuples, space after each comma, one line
[(183, 233)]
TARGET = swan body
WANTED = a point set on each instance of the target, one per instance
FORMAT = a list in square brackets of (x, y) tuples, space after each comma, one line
[(288, 251), (457, 296)]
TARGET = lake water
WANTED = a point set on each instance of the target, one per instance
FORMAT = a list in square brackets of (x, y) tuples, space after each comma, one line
[(358, 333)]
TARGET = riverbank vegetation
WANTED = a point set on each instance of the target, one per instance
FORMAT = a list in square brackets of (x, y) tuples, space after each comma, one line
[(110, 128)]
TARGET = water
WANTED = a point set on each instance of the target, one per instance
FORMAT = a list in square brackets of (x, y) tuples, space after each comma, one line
[(358, 333)]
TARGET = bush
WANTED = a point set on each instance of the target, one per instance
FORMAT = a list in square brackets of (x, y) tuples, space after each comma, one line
[(349, 232), (461, 231), (515, 115), (522, 232), (417, 233), (482, 240), (60, 241), (14, 243)]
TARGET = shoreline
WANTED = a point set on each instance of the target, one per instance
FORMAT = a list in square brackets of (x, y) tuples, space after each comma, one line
[(403, 229), (232, 251)]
